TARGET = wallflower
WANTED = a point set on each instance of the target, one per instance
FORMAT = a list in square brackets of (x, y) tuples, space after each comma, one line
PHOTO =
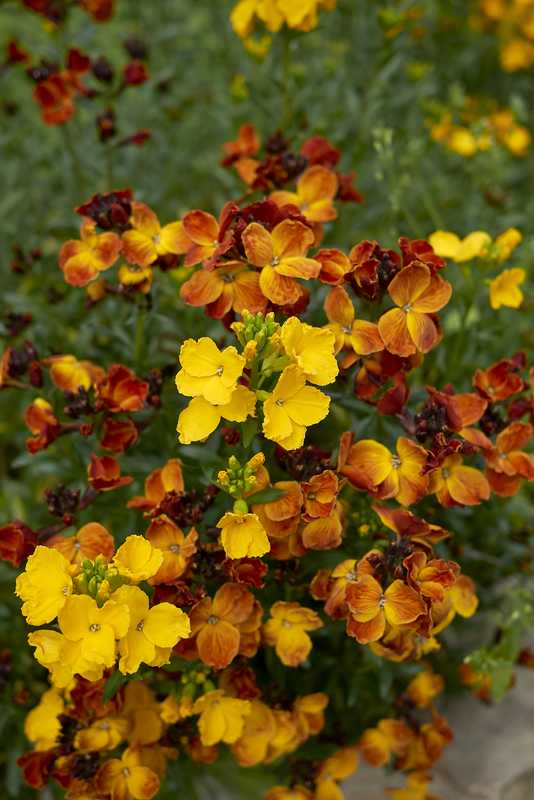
[(94, 629), (103, 734), (42, 726), (158, 483), (229, 286), (177, 548), (118, 434), (390, 737), (152, 633), (371, 466), (507, 463), (252, 746), (281, 255), (358, 335), (215, 623), (89, 542), (291, 408), (69, 374), (122, 390), (142, 711), (127, 778), (371, 608), (243, 535), (504, 289), (338, 767), (44, 586), (455, 484), (104, 474), (417, 293), (449, 245), (83, 260), (424, 688), (200, 418), (43, 424), (286, 630), (312, 350), (207, 372), (147, 240), (205, 233), (314, 196), (137, 559), (17, 542), (221, 718)]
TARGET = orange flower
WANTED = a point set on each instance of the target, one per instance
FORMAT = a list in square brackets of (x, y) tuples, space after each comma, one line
[(104, 474), (55, 96), (127, 778), (424, 688), (118, 434), (507, 464), (205, 233), (417, 293), (500, 381), (370, 466), (358, 335), (69, 374), (371, 608), (461, 409), (343, 574), (82, 260), (324, 533), (17, 542), (455, 484), (89, 542), (177, 548), (335, 266), (247, 144), (43, 424), (147, 240), (214, 623), (281, 255), (320, 494), (316, 189), (281, 517), (390, 737), (431, 577), (160, 482), (122, 390), (406, 524), (337, 767), (286, 630), (227, 287)]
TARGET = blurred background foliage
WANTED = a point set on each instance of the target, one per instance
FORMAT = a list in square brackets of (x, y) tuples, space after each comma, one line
[(369, 78)]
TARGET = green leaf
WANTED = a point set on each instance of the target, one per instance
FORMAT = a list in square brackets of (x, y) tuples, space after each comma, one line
[(114, 683), (267, 495)]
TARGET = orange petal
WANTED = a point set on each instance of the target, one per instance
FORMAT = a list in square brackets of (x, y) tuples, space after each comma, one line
[(323, 533), (369, 463), (218, 644), (409, 284), (258, 245), (365, 338), (514, 437), (201, 227), (422, 330), (291, 238), (248, 295), (204, 287), (316, 183), (138, 248), (435, 296), (277, 288), (467, 486), (144, 219), (366, 632), (363, 598), (298, 267), (394, 332), (338, 307), (403, 604)]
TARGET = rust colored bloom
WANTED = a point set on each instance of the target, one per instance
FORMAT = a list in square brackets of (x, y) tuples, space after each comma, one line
[(17, 542), (314, 196), (104, 474), (69, 374), (501, 380), (89, 542), (356, 335), (246, 145), (407, 525), (148, 240), (208, 235), (109, 211), (372, 268), (455, 484), (43, 423), (134, 73), (287, 629), (371, 608), (461, 410), (228, 287), (370, 466), (118, 434), (177, 548), (215, 624), (390, 737), (431, 577), (507, 463), (335, 266), (281, 255), (281, 517), (55, 96), (320, 494), (417, 293), (122, 390), (82, 260), (158, 484)]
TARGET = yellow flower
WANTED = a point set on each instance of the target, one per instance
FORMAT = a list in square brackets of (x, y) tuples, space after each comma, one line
[(127, 778), (199, 419), (462, 141), (287, 631), (174, 710), (63, 658), (312, 349), (291, 407), (207, 372), (152, 633), (504, 289), (94, 629), (243, 535), (506, 243), (221, 718), (104, 734), (42, 726), (244, 13), (44, 586), (449, 245), (137, 559)]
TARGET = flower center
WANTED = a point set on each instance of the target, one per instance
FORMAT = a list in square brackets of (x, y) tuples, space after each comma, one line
[(213, 620), (445, 473), (286, 623), (174, 548), (126, 772), (395, 462), (94, 628), (219, 371), (140, 625), (382, 602), (65, 590), (407, 307), (280, 402), (351, 576), (275, 261), (156, 239)]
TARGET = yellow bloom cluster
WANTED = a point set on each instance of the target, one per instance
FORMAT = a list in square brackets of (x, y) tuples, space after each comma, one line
[(476, 132), (301, 15), (513, 23), (504, 288), (102, 616), (301, 353)]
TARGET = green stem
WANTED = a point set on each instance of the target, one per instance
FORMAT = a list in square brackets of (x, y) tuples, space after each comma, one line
[(76, 165), (287, 114), (140, 336), (109, 168)]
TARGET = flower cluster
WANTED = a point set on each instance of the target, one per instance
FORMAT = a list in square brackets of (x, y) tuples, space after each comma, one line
[(512, 21), (477, 127), (302, 16)]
